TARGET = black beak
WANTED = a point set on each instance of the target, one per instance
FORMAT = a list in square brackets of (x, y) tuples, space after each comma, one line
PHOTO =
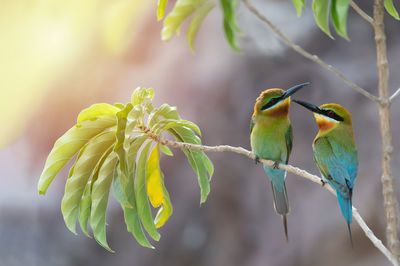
[(293, 90), (310, 106)]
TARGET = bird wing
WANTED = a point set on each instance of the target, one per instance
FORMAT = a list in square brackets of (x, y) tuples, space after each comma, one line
[(289, 142), (252, 124), (331, 165)]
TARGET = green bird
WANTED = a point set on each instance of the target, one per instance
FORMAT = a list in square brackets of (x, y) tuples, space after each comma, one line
[(335, 152), (271, 138)]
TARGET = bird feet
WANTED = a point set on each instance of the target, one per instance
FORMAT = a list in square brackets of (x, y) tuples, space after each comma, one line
[(323, 183), (276, 164), (257, 159)]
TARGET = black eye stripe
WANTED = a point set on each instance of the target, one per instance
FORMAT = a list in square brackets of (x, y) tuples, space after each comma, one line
[(270, 103), (333, 114)]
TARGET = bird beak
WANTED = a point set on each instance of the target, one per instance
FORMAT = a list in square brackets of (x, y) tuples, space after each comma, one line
[(293, 90), (310, 106)]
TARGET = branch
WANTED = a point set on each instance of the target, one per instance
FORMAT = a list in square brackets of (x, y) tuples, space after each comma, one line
[(397, 93), (222, 148), (308, 55), (362, 13)]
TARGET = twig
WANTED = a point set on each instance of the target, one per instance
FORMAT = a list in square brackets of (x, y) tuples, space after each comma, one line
[(362, 13), (397, 93), (222, 148), (308, 55), (389, 199)]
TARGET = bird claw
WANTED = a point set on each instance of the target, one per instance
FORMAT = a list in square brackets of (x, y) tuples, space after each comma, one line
[(323, 183), (276, 165), (257, 159)]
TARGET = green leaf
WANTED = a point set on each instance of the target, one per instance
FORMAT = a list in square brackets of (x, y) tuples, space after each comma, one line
[(166, 150), (170, 123), (69, 144), (230, 24), (100, 194), (391, 9), (196, 21), (81, 173), (131, 216), (339, 11), (299, 4), (140, 95), (97, 110), (157, 193), (181, 10), (321, 13), (142, 201), (84, 209), (164, 110), (161, 9)]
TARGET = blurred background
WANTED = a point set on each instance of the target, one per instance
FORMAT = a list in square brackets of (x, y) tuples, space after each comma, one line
[(58, 57)]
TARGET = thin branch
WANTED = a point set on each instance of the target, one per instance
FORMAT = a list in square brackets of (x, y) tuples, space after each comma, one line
[(397, 93), (389, 199), (223, 148), (308, 55), (362, 13)]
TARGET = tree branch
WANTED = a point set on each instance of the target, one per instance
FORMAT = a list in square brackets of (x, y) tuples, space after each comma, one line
[(364, 15), (397, 93), (297, 171), (392, 234), (307, 54)]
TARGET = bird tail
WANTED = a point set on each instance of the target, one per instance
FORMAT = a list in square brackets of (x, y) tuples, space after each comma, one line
[(345, 203), (281, 205)]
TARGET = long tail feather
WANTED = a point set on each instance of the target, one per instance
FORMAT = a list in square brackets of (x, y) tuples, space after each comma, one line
[(281, 205), (346, 208)]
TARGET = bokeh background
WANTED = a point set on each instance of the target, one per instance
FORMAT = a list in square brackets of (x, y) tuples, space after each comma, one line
[(58, 57)]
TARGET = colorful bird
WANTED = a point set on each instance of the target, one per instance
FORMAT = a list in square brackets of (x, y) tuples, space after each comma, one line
[(335, 152), (271, 138)]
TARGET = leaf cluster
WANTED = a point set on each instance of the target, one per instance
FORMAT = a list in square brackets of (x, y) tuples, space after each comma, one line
[(116, 149)]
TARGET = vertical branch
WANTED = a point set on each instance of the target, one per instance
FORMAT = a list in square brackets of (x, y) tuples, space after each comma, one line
[(392, 235)]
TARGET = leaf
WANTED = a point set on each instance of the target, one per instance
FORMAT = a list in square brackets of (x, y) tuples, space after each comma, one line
[(164, 110), (161, 9), (82, 171), (321, 13), (84, 209), (391, 9), (142, 201), (131, 216), (140, 95), (97, 110), (230, 24), (156, 190), (100, 194), (196, 21), (181, 10), (299, 4), (339, 11), (69, 144), (169, 123), (166, 150)]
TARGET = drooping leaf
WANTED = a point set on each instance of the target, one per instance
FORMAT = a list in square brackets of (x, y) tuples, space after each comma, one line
[(181, 10), (69, 144), (339, 11), (158, 194), (230, 24), (166, 150), (161, 8), (84, 209), (97, 110), (170, 123), (82, 171), (142, 200), (131, 216), (321, 10), (198, 17), (299, 4), (100, 195), (391, 9)]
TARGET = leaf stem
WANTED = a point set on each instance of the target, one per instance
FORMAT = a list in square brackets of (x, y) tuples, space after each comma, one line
[(364, 15)]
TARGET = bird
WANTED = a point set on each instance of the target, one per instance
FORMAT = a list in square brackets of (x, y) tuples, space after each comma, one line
[(271, 138), (335, 153)]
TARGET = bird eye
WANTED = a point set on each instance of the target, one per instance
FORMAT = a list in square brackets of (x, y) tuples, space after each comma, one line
[(273, 100), (330, 113)]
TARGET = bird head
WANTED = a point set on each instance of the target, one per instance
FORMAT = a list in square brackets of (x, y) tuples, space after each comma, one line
[(275, 102), (328, 116)]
